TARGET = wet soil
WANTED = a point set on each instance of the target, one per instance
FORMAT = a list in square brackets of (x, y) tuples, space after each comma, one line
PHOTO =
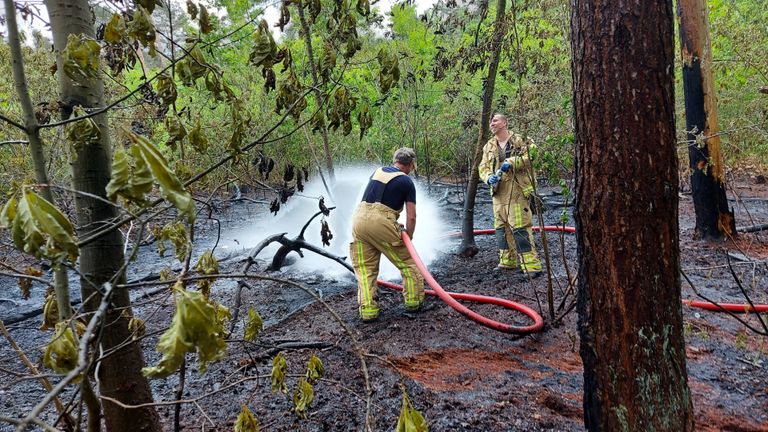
[(459, 375)]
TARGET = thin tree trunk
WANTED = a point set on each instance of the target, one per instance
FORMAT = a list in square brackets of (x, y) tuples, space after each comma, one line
[(120, 373), (630, 317), (305, 32), (61, 283), (713, 217), (468, 247)]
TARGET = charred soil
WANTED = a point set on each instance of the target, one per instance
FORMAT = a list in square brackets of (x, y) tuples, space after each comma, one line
[(459, 375)]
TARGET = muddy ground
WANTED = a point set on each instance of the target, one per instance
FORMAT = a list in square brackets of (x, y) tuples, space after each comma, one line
[(459, 375)]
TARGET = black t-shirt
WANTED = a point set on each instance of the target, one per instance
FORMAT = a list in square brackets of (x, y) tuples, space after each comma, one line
[(396, 192)]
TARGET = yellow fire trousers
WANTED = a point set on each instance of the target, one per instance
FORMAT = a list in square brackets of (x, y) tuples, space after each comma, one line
[(375, 231)]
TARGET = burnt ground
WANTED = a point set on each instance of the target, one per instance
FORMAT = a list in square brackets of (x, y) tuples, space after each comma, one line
[(459, 375)]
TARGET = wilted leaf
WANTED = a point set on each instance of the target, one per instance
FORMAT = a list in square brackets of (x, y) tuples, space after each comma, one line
[(81, 58), (363, 7), (285, 16), (196, 327), (207, 265), (364, 119), (279, 369), (410, 419), (323, 208), (290, 96), (274, 206), (303, 397), (40, 229), (315, 6), (166, 90), (390, 70), (176, 130), (50, 312), (197, 138), (137, 327), (142, 29), (176, 233), (246, 421), (149, 5), (192, 67), (116, 31), (170, 187), (81, 133), (192, 9), (205, 21), (264, 52), (254, 325), (325, 233), (61, 353), (25, 285), (315, 369)]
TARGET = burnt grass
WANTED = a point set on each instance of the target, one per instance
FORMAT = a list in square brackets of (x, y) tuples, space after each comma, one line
[(461, 376)]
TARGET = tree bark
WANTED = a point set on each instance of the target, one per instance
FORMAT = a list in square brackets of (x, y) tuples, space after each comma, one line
[(101, 260), (468, 247), (630, 317), (713, 217)]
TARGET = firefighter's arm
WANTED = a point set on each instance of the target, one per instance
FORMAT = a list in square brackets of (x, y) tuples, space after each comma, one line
[(485, 169), (410, 218)]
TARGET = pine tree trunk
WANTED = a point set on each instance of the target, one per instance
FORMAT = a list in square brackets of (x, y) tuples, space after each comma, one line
[(630, 317), (120, 373), (468, 247), (713, 218)]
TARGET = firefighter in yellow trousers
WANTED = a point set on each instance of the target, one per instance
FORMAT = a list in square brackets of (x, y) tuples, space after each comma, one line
[(506, 167), (375, 230)]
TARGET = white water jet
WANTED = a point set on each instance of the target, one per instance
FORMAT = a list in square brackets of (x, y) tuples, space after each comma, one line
[(347, 193)]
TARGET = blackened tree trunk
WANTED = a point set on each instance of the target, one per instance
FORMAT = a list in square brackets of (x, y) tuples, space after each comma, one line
[(713, 217), (120, 373), (468, 247), (630, 318)]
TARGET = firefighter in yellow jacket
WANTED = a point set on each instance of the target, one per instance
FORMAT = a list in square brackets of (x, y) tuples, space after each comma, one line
[(506, 167), (375, 230)]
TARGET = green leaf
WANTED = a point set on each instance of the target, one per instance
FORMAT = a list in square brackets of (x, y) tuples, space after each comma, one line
[(315, 369), (50, 312), (364, 119), (196, 327), (303, 397), (81, 58), (121, 174), (39, 228), (192, 67), (170, 187), (207, 264), (81, 133), (246, 421), (115, 31), (254, 325), (61, 353), (176, 233), (279, 368), (410, 419)]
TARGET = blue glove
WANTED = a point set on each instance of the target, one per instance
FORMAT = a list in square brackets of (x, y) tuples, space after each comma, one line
[(493, 179), (504, 166)]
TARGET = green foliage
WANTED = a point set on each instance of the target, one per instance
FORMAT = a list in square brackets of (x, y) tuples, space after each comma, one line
[(142, 29), (246, 421), (207, 265), (131, 177), (303, 396), (197, 326), (390, 71), (166, 90), (81, 58), (116, 30), (315, 369), (170, 187), (176, 233), (61, 353), (176, 130), (39, 228), (254, 325), (197, 138), (192, 67), (279, 369), (410, 419)]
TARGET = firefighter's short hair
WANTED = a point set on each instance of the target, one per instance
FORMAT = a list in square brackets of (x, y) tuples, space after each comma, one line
[(404, 155)]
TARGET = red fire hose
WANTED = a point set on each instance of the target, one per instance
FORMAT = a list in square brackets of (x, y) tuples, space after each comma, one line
[(451, 297)]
